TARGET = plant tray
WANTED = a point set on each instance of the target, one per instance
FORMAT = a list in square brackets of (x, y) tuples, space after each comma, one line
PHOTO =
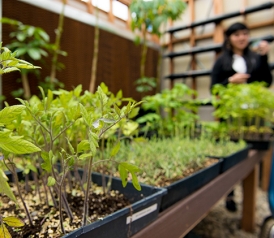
[(260, 144), (145, 205), (235, 158), (144, 209), (184, 187)]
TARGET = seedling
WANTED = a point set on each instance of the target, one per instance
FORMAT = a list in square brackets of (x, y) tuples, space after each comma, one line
[(9, 221)]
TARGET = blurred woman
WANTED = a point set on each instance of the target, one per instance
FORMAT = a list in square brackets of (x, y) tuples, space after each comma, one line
[(238, 64)]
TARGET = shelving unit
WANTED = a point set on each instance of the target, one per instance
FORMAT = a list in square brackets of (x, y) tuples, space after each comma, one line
[(217, 38)]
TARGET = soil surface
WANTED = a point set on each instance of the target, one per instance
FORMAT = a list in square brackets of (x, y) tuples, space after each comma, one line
[(221, 223), (45, 218)]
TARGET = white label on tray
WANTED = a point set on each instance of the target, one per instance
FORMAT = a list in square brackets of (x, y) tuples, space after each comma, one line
[(141, 213)]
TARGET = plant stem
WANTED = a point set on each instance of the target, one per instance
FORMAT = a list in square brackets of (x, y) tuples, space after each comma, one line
[(102, 158), (95, 54), (62, 131), (144, 53), (57, 45), (85, 212), (13, 171), (60, 203), (25, 83), (77, 176)]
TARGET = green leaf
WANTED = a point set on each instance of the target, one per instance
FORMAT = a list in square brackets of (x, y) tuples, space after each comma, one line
[(46, 165), (130, 167), (77, 91), (8, 114), (102, 95), (13, 221), (135, 182), (72, 151), (123, 174), (4, 186), (124, 168), (44, 35), (42, 92), (10, 69), (115, 149), (93, 142), (83, 146), (84, 156), (130, 127), (32, 168), (134, 112), (51, 181), (84, 114), (117, 110), (34, 53), (4, 233), (16, 144)]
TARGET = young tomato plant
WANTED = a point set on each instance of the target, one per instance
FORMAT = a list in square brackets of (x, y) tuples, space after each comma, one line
[(10, 143), (173, 109), (97, 126), (10, 221)]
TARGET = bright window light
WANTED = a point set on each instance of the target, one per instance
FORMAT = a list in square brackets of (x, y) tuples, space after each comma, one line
[(120, 10), (102, 4)]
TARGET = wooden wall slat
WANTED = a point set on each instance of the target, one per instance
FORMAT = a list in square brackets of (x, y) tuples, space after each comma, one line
[(118, 62)]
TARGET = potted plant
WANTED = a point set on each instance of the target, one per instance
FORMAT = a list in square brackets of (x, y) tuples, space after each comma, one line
[(247, 110), (174, 111), (150, 18), (48, 124)]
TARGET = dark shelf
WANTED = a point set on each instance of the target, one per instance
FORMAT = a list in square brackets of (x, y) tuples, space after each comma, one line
[(195, 50), (197, 73), (215, 47), (223, 17), (192, 73)]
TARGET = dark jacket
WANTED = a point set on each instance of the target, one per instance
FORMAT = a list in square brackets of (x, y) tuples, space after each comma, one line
[(257, 67)]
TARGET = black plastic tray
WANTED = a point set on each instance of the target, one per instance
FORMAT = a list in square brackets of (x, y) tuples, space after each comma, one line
[(145, 205), (233, 159), (144, 209), (260, 145), (184, 187)]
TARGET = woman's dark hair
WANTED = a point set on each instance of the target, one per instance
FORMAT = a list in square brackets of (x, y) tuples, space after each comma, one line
[(235, 27), (227, 48)]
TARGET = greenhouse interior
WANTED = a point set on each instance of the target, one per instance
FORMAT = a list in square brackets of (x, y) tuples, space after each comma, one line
[(90, 88)]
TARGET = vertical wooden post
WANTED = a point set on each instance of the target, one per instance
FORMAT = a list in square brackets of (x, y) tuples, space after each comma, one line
[(110, 13), (90, 7), (129, 19), (250, 185), (266, 169), (192, 42), (218, 35), (171, 62), (244, 4)]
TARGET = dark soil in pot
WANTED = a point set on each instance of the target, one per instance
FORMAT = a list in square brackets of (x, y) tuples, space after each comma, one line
[(46, 218)]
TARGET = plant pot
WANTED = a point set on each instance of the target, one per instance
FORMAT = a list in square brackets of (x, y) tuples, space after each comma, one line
[(127, 221), (184, 187)]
